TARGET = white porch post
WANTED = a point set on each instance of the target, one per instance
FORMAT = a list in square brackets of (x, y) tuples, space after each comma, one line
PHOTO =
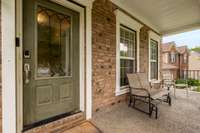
[(8, 66), (89, 62)]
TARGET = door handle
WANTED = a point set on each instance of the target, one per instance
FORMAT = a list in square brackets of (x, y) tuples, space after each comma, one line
[(27, 70)]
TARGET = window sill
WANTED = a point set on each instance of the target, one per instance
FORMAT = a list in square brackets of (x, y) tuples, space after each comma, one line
[(122, 91)]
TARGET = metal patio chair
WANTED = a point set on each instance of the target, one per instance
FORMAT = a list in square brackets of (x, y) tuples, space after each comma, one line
[(168, 81), (141, 90)]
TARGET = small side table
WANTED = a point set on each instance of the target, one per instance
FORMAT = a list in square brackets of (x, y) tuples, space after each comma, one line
[(185, 86)]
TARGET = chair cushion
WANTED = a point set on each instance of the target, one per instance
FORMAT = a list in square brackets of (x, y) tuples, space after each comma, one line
[(158, 93)]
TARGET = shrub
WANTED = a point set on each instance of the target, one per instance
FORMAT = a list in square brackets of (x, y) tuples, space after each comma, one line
[(181, 81), (193, 82), (190, 82)]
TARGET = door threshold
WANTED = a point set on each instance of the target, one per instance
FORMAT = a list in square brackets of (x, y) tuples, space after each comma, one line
[(49, 120)]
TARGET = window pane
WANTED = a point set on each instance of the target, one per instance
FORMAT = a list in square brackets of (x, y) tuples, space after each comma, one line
[(154, 70), (154, 50), (126, 66), (53, 47), (173, 57), (127, 42), (127, 49), (185, 58)]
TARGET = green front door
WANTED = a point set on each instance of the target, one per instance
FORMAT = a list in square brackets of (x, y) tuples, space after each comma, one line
[(50, 59)]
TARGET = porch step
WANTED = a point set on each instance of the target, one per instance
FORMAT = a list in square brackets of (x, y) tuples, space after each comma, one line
[(68, 125), (61, 125), (84, 127)]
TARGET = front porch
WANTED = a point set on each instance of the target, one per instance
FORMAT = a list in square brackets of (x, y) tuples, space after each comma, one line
[(107, 40), (182, 117)]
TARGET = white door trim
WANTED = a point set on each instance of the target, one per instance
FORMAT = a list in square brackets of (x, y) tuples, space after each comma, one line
[(8, 66), (12, 114)]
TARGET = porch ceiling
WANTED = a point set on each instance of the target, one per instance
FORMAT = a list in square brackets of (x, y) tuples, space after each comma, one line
[(166, 16)]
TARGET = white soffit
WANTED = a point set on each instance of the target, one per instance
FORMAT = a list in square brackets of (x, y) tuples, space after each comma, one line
[(165, 16)]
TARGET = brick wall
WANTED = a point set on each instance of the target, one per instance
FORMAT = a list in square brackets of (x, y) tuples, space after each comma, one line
[(144, 50), (104, 54)]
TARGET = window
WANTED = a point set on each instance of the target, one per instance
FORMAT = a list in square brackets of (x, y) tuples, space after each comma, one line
[(184, 58), (173, 57), (127, 53), (185, 74), (127, 49), (154, 59)]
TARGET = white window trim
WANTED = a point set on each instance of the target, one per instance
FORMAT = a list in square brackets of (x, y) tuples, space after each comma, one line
[(157, 38), (11, 92), (122, 18)]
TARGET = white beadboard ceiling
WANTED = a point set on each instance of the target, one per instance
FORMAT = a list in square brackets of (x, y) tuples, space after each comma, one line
[(166, 15)]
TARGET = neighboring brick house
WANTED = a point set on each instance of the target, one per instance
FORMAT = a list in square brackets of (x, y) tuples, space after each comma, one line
[(194, 61), (175, 59), (194, 65)]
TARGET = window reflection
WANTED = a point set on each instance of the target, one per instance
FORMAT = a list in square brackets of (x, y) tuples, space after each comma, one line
[(53, 48), (127, 54)]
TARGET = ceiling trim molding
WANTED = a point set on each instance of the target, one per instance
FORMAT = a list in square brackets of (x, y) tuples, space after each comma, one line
[(141, 19), (181, 29)]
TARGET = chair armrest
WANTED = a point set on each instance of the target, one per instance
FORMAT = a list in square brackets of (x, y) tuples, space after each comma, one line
[(139, 91)]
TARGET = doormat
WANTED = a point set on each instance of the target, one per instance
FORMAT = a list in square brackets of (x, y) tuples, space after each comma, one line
[(85, 127)]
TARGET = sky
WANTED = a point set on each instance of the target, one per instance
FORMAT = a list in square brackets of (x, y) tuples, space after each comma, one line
[(191, 39)]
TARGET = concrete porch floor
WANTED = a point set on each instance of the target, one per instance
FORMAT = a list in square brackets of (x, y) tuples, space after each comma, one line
[(182, 117)]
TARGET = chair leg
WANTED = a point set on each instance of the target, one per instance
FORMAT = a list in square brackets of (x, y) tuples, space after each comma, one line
[(134, 101), (130, 101), (156, 112), (169, 100), (150, 107)]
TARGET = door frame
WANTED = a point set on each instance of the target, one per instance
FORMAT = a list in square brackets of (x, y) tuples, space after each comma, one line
[(12, 57)]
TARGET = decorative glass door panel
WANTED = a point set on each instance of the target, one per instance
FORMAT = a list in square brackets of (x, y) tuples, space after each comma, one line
[(53, 47), (51, 50)]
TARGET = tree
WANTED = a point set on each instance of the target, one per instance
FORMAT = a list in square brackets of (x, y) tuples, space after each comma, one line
[(196, 49)]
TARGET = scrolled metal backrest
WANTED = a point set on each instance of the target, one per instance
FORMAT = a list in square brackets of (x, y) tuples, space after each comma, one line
[(133, 80), (167, 78), (144, 80)]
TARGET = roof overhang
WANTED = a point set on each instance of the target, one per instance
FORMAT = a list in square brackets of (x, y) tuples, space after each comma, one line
[(164, 16)]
